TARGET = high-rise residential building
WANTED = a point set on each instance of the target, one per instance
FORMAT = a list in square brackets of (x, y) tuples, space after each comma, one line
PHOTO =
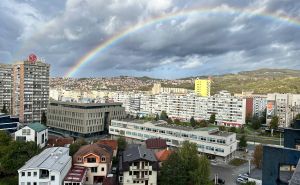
[(202, 87), (82, 119), (6, 86), (30, 90)]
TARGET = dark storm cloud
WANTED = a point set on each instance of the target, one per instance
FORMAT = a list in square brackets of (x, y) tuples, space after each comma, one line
[(64, 31)]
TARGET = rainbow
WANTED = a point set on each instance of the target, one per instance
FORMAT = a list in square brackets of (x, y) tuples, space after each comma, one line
[(95, 52)]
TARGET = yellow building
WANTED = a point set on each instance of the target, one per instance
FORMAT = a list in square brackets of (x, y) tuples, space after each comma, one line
[(202, 87)]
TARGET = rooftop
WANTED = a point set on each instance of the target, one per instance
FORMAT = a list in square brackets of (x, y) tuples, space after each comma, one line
[(83, 105), (156, 143), (76, 174), (54, 158), (38, 127), (163, 155), (111, 143), (136, 152)]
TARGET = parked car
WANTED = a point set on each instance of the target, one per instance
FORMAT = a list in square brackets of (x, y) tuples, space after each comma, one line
[(240, 180)]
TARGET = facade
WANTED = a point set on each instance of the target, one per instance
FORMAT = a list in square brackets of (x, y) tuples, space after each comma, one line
[(97, 159), (33, 132), (157, 89), (82, 119), (30, 90), (6, 71), (202, 87), (76, 176), (138, 165), (209, 140), (9, 123), (285, 106), (49, 167)]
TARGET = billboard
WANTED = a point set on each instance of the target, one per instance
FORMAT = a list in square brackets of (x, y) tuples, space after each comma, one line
[(270, 109)]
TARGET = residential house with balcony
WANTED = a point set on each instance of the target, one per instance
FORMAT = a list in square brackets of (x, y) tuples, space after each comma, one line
[(49, 167), (97, 158), (138, 166)]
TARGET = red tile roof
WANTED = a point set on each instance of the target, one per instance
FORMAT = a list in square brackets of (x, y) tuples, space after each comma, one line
[(163, 155), (59, 141), (76, 174), (112, 143), (156, 143)]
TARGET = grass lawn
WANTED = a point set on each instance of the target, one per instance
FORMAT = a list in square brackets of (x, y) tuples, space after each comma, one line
[(237, 162)]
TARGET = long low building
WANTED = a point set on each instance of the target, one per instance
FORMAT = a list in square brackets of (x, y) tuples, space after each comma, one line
[(82, 119), (209, 140)]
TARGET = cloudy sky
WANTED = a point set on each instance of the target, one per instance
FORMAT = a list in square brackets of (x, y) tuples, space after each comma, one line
[(228, 36)]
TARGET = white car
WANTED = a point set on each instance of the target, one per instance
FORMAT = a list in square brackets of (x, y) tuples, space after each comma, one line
[(241, 180)]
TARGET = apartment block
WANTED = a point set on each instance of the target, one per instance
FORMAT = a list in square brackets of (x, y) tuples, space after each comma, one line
[(30, 90), (138, 165), (157, 89), (202, 87), (6, 82), (49, 167), (82, 119), (285, 106), (209, 140)]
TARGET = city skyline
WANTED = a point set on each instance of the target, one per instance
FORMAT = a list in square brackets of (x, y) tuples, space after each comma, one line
[(164, 39)]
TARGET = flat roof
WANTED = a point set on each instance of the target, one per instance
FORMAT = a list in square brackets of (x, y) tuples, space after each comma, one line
[(54, 158), (83, 105)]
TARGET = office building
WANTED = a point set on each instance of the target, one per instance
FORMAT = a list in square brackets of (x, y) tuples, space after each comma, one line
[(9, 123), (35, 132), (30, 90), (202, 87), (49, 167), (82, 119), (97, 158), (138, 165), (6, 71), (209, 140)]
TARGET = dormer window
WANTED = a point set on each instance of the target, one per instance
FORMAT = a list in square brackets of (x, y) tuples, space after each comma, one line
[(103, 159), (79, 159)]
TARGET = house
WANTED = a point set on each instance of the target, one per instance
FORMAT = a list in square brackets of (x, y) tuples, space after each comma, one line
[(97, 158), (9, 123), (113, 144), (33, 132), (49, 167), (138, 165), (76, 176), (156, 144)]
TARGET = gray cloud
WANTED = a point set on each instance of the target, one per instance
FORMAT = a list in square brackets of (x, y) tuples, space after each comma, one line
[(197, 43)]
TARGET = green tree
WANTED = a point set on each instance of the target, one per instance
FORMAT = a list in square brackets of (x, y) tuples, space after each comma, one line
[(192, 121), (163, 115), (4, 109), (258, 156), (184, 166), (169, 121), (255, 122), (74, 147), (156, 117), (274, 122), (232, 129), (176, 121), (212, 118), (44, 119), (122, 143), (203, 123), (243, 142), (222, 128)]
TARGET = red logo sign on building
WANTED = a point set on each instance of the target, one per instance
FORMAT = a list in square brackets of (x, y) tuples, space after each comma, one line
[(32, 58)]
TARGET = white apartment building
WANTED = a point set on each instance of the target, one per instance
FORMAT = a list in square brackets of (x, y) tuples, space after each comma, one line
[(35, 132), (49, 167), (6, 81), (285, 106), (259, 105), (209, 140)]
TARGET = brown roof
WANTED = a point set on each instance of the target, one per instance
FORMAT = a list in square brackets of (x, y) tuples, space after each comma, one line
[(97, 149), (156, 143), (112, 143), (163, 155), (59, 141), (109, 181), (76, 174)]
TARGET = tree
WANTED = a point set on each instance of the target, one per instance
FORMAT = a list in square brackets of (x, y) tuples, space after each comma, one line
[(74, 147), (232, 129), (257, 156), (4, 110), (176, 121), (212, 118), (163, 115), (255, 122), (222, 128), (184, 166), (169, 121), (44, 119), (243, 142), (192, 121), (122, 143), (203, 123), (274, 122), (156, 117)]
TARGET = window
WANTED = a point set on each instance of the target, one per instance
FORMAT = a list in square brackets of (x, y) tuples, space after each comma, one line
[(34, 173), (28, 183), (130, 172), (102, 169), (150, 172), (28, 174), (94, 169), (34, 183), (52, 178), (91, 160), (103, 159), (86, 179), (79, 159), (23, 174)]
